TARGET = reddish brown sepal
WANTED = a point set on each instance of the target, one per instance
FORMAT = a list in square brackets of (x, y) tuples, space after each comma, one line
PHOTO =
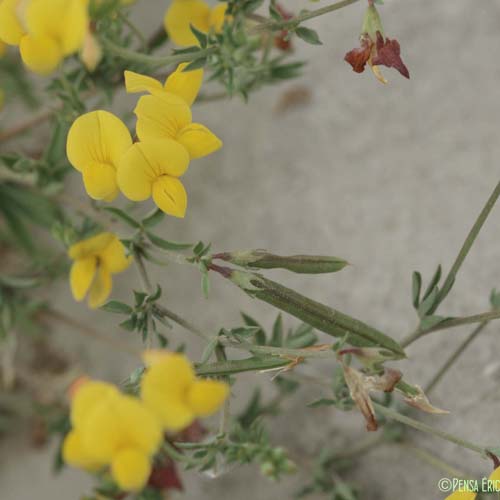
[(359, 57), (164, 476)]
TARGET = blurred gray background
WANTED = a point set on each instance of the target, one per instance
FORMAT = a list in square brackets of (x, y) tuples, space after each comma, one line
[(388, 177)]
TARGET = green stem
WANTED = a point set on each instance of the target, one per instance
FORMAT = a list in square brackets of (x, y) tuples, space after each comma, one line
[(134, 29), (469, 241), (451, 360), (420, 426), (132, 56), (272, 25)]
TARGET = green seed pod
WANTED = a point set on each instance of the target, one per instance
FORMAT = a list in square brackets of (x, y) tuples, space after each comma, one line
[(303, 264)]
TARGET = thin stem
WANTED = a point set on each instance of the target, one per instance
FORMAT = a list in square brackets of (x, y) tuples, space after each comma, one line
[(163, 311), (143, 274), (469, 241), (52, 314), (323, 351), (132, 56), (434, 461), (420, 426), (273, 25), (455, 355)]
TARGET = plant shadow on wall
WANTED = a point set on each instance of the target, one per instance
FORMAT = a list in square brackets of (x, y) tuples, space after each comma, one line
[(134, 438)]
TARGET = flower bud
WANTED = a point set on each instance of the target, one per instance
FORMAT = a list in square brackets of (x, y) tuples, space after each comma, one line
[(91, 53)]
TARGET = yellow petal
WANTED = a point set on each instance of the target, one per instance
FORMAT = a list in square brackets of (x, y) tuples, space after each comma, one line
[(100, 288), (11, 30), (164, 388), (206, 396), (160, 116), (140, 428), (180, 15), (99, 137), (495, 475), (135, 82), (185, 84), (170, 196), (147, 161), (81, 276), (217, 16), (75, 454), (40, 54), (130, 469), (90, 246), (87, 397), (198, 140), (100, 433), (99, 180), (461, 495), (114, 258), (65, 21)]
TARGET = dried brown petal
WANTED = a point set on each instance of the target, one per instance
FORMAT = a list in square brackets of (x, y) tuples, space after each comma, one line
[(388, 53), (421, 402), (359, 57)]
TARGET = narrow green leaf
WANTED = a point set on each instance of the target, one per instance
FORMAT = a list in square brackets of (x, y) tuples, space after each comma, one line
[(277, 335), (416, 286), (321, 402), (433, 283), (165, 244), (201, 37), (152, 220), (209, 350), (196, 64), (114, 306), (308, 35)]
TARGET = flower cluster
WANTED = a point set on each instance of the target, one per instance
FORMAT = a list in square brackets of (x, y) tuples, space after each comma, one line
[(99, 144), (182, 14), (45, 31), (95, 260), (123, 433)]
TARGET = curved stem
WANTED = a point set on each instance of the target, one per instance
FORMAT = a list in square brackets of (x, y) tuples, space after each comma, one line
[(420, 426), (469, 241), (272, 25), (132, 56), (451, 360)]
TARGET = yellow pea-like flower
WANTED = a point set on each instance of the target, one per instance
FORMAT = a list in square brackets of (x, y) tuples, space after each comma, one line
[(95, 260), (96, 142), (110, 429), (170, 389), (46, 31), (183, 13), (166, 115), (152, 168), (184, 84)]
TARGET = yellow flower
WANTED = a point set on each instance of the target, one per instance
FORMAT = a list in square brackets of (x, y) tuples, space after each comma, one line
[(96, 142), (151, 168), (470, 495), (95, 260), (46, 32), (183, 84), (112, 429), (166, 115), (170, 389), (183, 13)]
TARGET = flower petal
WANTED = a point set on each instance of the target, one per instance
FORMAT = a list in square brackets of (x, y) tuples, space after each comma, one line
[(113, 257), (130, 469), (74, 453), (40, 54), (81, 276), (135, 82), (74, 26), (198, 140), (99, 180), (180, 15), (145, 162), (170, 196), (90, 246), (160, 116), (101, 288), (11, 30), (97, 136), (185, 84), (217, 17), (206, 396)]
